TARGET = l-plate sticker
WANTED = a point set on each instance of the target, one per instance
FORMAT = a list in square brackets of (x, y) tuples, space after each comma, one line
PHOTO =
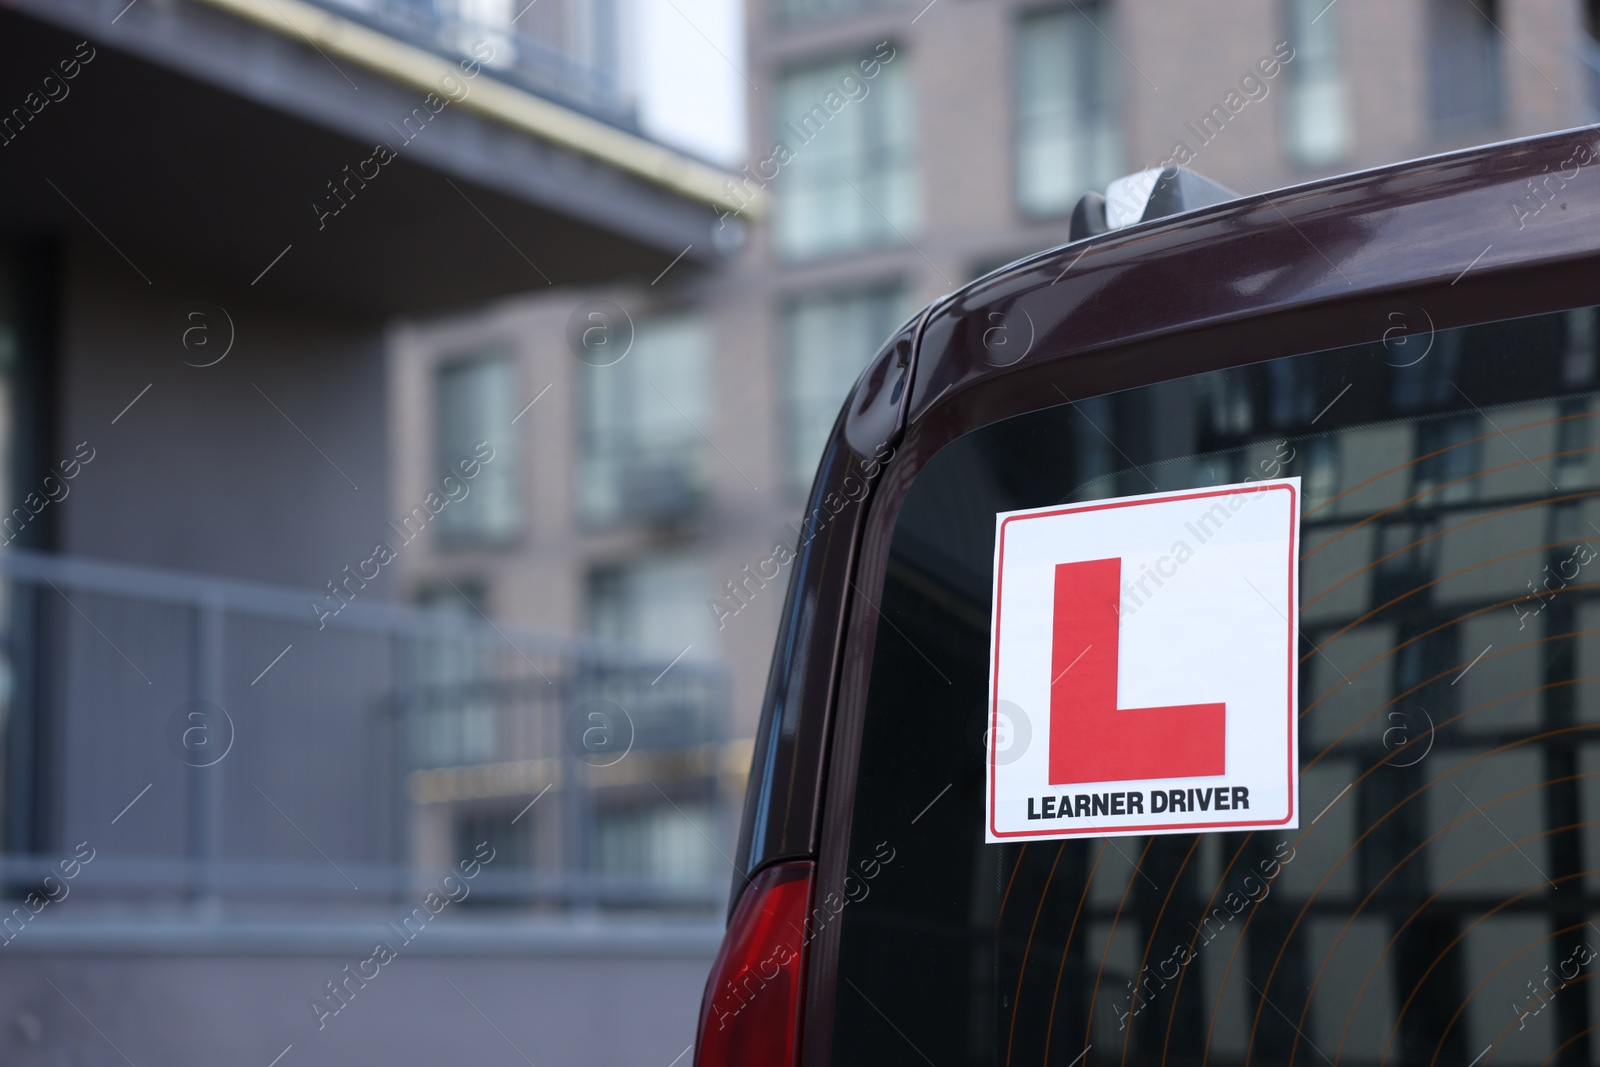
[(1143, 674)]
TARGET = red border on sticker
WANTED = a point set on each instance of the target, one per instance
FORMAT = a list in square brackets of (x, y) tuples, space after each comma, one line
[(994, 667)]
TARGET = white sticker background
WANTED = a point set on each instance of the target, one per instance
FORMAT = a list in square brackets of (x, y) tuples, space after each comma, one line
[(1219, 629)]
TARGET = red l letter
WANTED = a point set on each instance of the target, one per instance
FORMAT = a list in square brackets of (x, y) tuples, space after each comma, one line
[(1091, 739)]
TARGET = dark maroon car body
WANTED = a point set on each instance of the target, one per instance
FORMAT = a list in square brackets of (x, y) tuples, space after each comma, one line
[(1495, 232)]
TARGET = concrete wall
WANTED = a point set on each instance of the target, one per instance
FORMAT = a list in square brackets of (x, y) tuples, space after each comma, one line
[(202, 473), (575, 1009)]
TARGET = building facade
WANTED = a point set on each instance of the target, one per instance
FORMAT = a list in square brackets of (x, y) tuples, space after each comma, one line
[(898, 150), (214, 723)]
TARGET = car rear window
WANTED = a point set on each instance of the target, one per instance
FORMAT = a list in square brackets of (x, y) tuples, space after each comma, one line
[(1434, 906)]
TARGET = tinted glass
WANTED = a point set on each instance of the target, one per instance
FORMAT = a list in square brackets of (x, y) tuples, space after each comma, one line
[(1433, 907)]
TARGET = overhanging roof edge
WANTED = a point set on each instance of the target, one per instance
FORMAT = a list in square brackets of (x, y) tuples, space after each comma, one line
[(521, 110)]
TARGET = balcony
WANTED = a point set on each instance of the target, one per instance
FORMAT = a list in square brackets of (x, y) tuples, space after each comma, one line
[(565, 50), (660, 485), (553, 183), (224, 756)]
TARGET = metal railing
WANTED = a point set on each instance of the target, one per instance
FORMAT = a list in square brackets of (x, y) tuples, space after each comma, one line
[(234, 745), (565, 49)]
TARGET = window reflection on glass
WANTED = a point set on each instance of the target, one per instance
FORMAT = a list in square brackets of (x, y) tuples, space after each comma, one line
[(1230, 410), (1580, 356), (1321, 479), (1574, 436), (1448, 460)]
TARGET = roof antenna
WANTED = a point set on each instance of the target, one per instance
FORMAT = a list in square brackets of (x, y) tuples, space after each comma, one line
[(1144, 196)]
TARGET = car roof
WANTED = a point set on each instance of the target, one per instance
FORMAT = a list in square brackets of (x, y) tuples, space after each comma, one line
[(1325, 241)]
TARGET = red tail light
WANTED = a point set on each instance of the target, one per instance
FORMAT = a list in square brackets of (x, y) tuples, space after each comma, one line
[(751, 1013)]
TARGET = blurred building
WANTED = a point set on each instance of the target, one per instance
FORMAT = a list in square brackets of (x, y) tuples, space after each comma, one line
[(271, 271), (210, 213), (898, 150)]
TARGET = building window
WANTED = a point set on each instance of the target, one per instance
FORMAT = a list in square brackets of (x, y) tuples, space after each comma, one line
[(1464, 84), (491, 830), (567, 45), (451, 717), (806, 10), (477, 401), (828, 341), (644, 459), (657, 606), (658, 842), (464, 23), (1318, 120), (465, 597), (850, 177), (1068, 140), (1589, 57)]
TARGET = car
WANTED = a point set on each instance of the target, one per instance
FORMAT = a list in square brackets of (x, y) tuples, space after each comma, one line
[(1383, 388)]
